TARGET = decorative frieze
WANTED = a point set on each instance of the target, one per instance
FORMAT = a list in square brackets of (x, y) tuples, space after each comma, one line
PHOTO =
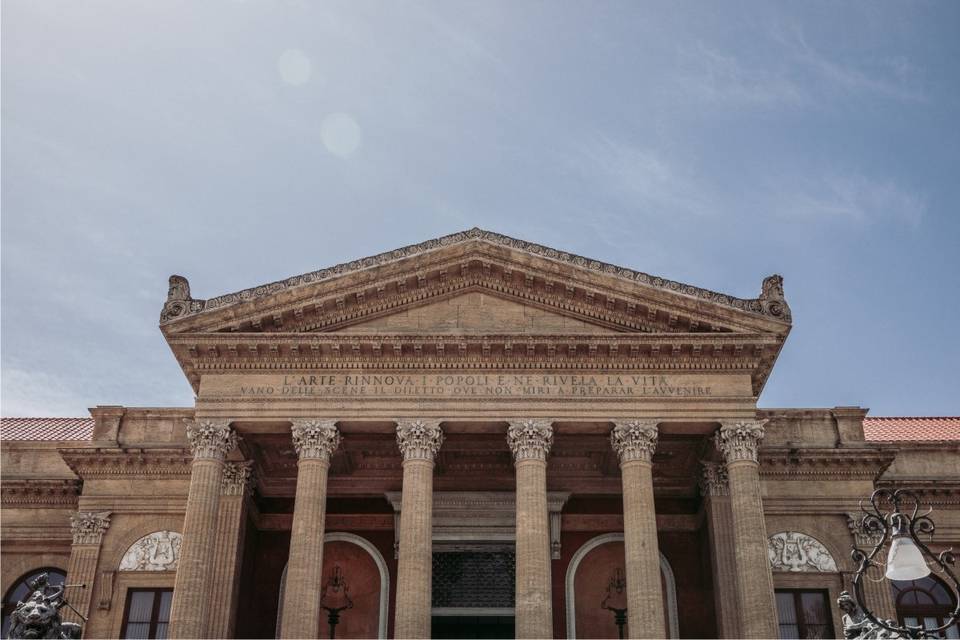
[(740, 440), (315, 439), (157, 551), (713, 479), (211, 439), (88, 527), (419, 439), (99, 463), (40, 493), (634, 440), (237, 478), (530, 439), (797, 552)]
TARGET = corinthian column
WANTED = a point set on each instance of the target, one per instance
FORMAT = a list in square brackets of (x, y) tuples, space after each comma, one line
[(211, 441), (228, 547), (530, 442), (88, 529), (634, 443), (419, 441), (716, 497), (739, 442), (315, 441)]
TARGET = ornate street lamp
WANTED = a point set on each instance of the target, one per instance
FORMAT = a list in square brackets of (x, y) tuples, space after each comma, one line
[(616, 599), (893, 518), (335, 598)]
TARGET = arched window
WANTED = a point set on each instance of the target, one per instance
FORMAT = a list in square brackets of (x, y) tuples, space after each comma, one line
[(21, 591), (926, 601)]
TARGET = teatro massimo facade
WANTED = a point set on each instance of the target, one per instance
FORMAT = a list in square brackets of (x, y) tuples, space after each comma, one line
[(475, 436)]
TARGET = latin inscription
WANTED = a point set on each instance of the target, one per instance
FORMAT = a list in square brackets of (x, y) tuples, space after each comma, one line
[(463, 385)]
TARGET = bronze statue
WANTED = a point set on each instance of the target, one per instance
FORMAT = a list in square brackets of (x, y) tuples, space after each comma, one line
[(39, 616)]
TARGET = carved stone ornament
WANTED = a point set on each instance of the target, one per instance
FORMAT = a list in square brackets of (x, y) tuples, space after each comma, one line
[(634, 440), (797, 552), (863, 539), (211, 439), (713, 479), (179, 302), (315, 439), (530, 439), (740, 440), (157, 551), (419, 439), (88, 527), (237, 478)]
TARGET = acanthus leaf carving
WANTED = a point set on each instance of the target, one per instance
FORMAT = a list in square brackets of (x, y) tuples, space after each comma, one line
[(419, 439), (315, 439), (88, 527), (530, 439), (740, 440), (211, 439), (634, 440)]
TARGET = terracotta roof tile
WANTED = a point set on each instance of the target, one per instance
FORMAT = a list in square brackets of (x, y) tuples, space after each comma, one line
[(46, 428), (912, 428)]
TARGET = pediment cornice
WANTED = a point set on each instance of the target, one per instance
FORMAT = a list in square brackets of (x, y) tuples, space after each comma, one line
[(607, 295)]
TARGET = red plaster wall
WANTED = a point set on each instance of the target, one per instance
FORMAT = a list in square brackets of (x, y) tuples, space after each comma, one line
[(363, 579)]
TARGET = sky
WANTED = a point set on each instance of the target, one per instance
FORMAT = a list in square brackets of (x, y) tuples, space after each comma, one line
[(238, 143)]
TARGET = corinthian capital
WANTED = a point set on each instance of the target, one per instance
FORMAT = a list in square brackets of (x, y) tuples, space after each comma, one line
[(740, 440), (530, 439), (419, 439), (88, 527), (315, 439), (634, 440), (237, 478), (211, 439), (713, 479)]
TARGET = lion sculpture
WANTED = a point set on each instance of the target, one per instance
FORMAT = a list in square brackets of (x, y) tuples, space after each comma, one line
[(39, 616)]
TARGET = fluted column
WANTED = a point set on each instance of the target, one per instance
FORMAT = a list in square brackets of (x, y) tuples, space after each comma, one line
[(635, 443), (739, 442), (88, 529), (530, 442), (716, 497), (211, 441), (228, 548), (315, 441), (419, 441)]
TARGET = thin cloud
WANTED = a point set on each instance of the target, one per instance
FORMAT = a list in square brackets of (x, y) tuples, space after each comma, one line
[(852, 197)]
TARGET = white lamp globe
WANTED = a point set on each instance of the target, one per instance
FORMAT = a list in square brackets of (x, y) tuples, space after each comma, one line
[(905, 561)]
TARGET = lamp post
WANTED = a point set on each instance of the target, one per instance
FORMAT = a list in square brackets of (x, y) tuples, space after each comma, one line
[(894, 518), (616, 599), (335, 598)]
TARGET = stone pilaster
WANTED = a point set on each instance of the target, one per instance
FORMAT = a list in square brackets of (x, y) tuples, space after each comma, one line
[(739, 442), (235, 490), (635, 442), (419, 442), (530, 442), (211, 441), (88, 529), (315, 442), (716, 497)]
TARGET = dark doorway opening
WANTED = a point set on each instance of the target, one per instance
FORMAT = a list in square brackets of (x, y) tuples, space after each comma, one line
[(472, 627)]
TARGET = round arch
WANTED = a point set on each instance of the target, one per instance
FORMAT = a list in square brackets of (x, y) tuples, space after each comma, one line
[(373, 552), (670, 583)]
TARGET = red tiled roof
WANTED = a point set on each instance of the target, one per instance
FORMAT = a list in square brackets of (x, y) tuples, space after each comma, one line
[(912, 428), (46, 428)]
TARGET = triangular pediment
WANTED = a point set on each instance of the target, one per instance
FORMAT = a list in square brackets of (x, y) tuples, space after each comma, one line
[(525, 279), (474, 313)]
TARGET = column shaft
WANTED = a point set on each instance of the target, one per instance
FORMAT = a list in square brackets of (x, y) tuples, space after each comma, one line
[(301, 593), (228, 550), (188, 612), (645, 615), (415, 564), (635, 442), (419, 441), (758, 612), (534, 597), (315, 442), (210, 440), (716, 497)]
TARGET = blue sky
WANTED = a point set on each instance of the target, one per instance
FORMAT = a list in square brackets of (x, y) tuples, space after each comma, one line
[(713, 143)]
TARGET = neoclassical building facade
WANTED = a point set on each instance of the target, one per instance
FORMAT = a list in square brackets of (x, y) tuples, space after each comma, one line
[(475, 436)]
